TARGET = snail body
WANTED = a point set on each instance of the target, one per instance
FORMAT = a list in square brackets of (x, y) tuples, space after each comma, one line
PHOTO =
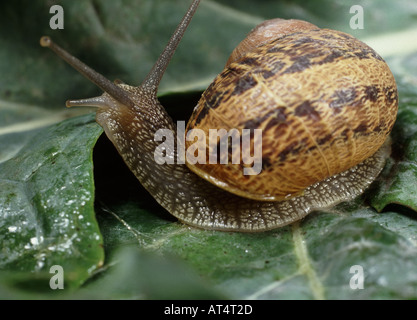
[(325, 103)]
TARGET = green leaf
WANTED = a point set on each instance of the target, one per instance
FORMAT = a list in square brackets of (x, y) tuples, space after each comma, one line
[(142, 275), (47, 203), (398, 182), (308, 260), (131, 276), (46, 166)]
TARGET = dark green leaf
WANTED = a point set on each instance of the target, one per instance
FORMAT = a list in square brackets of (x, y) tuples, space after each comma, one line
[(47, 197), (142, 275), (398, 183), (308, 260)]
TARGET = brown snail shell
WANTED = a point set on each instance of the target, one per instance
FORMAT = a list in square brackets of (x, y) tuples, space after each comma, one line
[(324, 100), (268, 31)]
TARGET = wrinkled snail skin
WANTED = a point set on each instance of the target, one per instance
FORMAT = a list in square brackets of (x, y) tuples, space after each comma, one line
[(333, 90)]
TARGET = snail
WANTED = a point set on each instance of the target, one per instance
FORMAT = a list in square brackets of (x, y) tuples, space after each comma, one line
[(324, 101)]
